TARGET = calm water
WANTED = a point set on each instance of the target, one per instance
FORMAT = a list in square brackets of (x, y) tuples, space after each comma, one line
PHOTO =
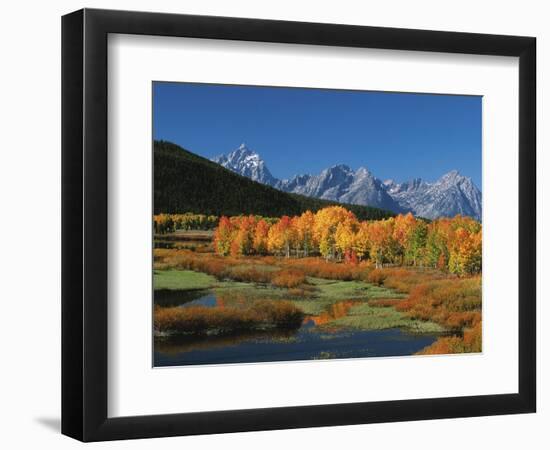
[(166, 297), (306, 343)]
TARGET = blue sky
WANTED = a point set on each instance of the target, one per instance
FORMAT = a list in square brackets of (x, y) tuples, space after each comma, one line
[(295, 130)]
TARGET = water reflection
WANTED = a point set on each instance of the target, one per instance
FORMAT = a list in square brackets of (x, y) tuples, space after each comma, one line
[(306, 343), (334, 311), (168, 297), (184, 344)]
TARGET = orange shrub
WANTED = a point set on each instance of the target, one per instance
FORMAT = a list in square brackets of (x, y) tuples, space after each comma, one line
[(403, 280), (377, 276), (452, 302), (470, 342), (443, 346), (385, 302), (319, 268), (201, 319), (248, 274), (288, 278), (472, 338)]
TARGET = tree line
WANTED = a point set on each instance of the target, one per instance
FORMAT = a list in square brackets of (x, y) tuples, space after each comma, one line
[(168, 223), (450, 244)]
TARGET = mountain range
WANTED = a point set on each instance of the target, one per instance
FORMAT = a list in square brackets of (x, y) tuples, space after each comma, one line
[(450, 195)]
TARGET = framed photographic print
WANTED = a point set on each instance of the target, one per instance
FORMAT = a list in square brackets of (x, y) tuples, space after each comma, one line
[(273, 224)]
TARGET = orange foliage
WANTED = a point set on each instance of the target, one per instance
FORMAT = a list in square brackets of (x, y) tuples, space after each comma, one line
[(334, 311), (288, 278), (327, 221), (469, 343), (452, 302), (281, 236), (260, 237), (452, 245), (380, 238), (377, 277), (319, 268), (223, 236), (304, 226), (201, 319), (385, 302)]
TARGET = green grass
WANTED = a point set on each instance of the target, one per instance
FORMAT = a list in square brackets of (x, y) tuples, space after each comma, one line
[(251, 291), (182, 280), (342, 289), (312, 306), (189, 280), (366, 317), (379, 292), (330, 291), (351, 289)]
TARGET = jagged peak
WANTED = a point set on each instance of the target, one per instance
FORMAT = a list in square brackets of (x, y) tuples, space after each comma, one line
[(454, 177), (414, 182), (339, 167), (363, 171), (243, 149), (453, 174)]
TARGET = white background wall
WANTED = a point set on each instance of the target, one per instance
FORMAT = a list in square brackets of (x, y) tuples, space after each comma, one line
[(30, 225)]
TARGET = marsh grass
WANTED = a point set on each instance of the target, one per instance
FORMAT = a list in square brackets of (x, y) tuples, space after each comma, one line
[(363, 316)]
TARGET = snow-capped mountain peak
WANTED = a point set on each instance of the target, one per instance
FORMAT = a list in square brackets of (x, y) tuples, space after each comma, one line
[(248, 163), (450, 195), (451, 177)]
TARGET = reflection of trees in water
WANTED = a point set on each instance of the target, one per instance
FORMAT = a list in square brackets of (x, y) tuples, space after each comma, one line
[(334, 311), (235, 300), (183, 344)]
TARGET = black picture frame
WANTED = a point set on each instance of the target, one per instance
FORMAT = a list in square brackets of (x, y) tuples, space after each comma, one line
[(84, 224)]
